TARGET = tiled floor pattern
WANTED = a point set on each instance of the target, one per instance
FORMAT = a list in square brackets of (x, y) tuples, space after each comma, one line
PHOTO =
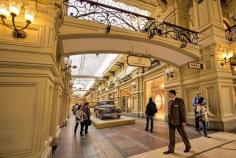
[(116, 142)]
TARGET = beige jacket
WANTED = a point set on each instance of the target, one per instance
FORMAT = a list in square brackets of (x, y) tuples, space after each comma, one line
[(80, 115), (203, 109)]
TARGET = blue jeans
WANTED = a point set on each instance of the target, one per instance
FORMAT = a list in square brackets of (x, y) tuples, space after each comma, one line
[(149, 118), (205, 125)]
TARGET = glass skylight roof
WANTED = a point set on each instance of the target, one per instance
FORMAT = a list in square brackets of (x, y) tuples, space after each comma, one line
[(124, 6), (89, 66)]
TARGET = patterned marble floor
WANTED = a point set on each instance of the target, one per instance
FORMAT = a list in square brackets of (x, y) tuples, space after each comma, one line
[(116, 142)]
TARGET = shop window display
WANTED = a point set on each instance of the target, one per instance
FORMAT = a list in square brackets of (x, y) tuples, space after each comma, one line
[(155, 89), (159, 100)]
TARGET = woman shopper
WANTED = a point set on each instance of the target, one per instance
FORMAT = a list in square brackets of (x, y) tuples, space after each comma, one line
[(202, 112), (78, 117)]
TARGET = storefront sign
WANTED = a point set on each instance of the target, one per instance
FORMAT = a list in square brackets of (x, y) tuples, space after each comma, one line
[(193, 65), (139, 61)]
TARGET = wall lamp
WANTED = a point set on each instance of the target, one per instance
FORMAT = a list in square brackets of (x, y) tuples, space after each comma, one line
[(169, 72), (68, 64), (13, 8), (227, 56)]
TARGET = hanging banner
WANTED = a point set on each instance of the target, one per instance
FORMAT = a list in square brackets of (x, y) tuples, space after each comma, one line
[(139, 61)]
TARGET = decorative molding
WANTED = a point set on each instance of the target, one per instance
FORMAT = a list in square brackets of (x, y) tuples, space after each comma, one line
[(27, 142)]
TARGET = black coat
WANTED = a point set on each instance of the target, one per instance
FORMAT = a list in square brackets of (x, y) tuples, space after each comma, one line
[(151, 109)]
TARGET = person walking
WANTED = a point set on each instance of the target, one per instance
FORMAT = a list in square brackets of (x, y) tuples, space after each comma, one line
[(195, 103), (151, 109), (176, 120), (202, 112), (78, 117), (86, 122)]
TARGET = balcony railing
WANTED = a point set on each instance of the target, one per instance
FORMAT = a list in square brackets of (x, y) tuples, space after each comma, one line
[(112, 16), (230, 33)]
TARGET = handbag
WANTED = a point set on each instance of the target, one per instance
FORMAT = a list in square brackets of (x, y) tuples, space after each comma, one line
[(89, 122)]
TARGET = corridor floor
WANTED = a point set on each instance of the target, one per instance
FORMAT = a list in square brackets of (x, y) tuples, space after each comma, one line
[(116, 142)]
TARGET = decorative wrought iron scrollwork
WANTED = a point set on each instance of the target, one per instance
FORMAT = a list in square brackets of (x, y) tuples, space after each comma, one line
[(173, 31), (108, 15), (230, 33), (112, 16)]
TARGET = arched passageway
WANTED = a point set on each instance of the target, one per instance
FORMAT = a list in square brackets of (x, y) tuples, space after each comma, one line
[(81, 37)]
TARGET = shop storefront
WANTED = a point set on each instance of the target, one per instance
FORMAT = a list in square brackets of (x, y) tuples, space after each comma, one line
[(125, 100), (155, 88)]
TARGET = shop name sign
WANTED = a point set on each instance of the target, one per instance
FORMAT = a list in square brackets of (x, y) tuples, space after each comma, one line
[(193, 65), (139, 61)]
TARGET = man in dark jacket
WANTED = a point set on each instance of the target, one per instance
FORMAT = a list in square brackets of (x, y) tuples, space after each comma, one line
[(151, 109), (176, 120), (85, 124)]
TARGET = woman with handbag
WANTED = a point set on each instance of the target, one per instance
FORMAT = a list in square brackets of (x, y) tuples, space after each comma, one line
[(79, 118), (202, 114)]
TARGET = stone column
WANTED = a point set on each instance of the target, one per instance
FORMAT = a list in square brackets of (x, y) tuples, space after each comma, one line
[(65, 99), (27, 70), (55, 128), (216, 80), (181, 13), (173, 82)]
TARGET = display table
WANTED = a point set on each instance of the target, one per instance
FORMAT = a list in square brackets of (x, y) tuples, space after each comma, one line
[(106, 123)]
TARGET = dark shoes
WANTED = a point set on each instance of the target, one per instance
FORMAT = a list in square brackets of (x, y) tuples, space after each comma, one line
[(187, 149), (86, 132), (207, 136), (168, 152)]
